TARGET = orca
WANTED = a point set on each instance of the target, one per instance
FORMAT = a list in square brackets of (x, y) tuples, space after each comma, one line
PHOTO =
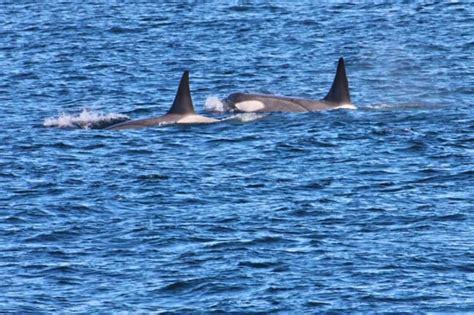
[(181, 112), (338, 97)]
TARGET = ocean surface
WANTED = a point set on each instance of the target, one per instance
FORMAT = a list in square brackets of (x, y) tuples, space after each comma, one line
[(342, 211)]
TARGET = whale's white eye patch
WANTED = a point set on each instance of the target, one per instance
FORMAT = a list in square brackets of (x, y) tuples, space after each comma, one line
[(249, 106)]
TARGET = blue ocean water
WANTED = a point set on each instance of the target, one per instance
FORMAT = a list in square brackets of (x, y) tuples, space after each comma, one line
[(367, 210)]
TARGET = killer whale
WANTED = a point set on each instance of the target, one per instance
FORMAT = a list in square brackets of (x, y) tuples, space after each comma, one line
[(338, 97), (181, 112)]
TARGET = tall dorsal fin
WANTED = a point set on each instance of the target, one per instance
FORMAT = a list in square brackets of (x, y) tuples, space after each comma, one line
[(183, 103), (339, 92)]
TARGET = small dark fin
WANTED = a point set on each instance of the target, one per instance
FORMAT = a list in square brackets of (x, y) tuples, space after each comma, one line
[(183, 103), (339, 92)]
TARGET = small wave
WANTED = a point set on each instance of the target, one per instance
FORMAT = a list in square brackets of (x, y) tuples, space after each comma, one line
[(215, 105), (153, 177), (87, 119), (184, 285), (258, 264), (123, 30)]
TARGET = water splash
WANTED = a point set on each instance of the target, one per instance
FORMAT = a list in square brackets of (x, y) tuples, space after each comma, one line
[(214, 104), (87, 119)]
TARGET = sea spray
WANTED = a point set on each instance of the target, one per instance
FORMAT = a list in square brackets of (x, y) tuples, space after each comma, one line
[(214, 104), (87, 119)]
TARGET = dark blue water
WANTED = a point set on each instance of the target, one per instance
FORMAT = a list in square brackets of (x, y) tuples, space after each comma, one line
[(340, 211)]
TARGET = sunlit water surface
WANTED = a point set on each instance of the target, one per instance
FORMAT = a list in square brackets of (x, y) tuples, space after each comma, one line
[(339, 211)]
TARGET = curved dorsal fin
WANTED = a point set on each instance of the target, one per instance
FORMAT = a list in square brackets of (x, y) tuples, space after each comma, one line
[(183, 103), (339, 92)]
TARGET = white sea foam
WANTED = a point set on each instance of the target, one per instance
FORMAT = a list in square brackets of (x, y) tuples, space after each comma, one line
[(381, 107), (401, 107), (86, 119), (346, 106), (244, 117), (214, 104)]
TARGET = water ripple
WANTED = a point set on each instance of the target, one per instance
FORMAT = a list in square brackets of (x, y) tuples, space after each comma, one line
[(361, 211)]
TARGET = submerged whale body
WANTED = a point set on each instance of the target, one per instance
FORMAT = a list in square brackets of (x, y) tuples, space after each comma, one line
[(181, 112), (338, 97)]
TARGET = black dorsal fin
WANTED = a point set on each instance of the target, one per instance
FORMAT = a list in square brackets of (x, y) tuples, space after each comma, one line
[(339, 92), (183, 103)]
